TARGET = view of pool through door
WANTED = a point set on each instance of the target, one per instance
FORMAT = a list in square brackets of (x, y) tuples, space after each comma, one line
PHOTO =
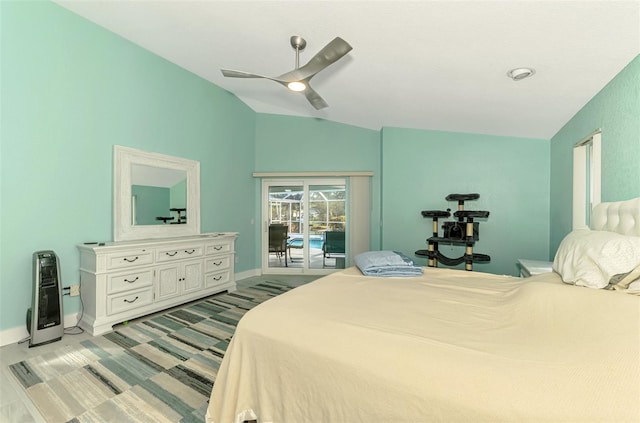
[(304, 225)]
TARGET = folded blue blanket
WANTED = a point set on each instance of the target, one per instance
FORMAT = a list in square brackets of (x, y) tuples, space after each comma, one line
[(386, 263)]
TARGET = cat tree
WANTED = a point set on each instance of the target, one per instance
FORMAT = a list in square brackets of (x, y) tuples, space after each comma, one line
[(462, 231)]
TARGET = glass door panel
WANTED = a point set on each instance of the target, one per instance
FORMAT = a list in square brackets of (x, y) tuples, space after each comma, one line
[(283, 223), (327, 226), (312, 215)]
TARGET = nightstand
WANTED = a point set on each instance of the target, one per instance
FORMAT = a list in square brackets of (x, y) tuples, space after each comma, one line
[(533, 267)]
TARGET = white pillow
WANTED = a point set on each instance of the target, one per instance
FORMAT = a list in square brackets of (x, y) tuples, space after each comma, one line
[(591, 258)]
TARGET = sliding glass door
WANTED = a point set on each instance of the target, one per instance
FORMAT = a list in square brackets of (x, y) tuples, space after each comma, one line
[(304, 225)]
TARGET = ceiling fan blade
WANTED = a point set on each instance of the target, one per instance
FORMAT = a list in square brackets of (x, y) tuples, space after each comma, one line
[(330, 54), (314, 98), (241, 74)]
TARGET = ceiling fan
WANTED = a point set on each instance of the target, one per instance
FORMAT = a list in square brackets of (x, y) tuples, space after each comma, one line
[(298, 79)]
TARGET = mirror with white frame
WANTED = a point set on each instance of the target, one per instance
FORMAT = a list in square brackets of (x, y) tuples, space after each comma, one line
[(154, 195)]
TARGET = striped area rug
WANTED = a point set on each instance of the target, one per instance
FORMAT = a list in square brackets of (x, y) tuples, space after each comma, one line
[(160, 369)]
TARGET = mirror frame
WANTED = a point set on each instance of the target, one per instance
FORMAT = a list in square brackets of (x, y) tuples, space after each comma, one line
[(123, 229)]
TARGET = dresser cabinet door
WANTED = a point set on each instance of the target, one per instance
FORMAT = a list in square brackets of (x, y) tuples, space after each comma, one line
[(180, 278), (192, 278), (168, 278)]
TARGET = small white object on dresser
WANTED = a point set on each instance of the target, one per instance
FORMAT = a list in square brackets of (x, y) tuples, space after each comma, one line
[(120, 281), (533, 267)]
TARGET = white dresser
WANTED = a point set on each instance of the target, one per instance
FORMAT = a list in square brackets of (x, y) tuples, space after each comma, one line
[(120, 281)]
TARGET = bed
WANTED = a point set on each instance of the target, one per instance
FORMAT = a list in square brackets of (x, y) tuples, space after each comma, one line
[(448, 345)]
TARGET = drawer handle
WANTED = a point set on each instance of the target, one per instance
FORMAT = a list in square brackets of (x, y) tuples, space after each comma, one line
[(171, 255), (190, 252), (132, 301), (217, 263), (217, 247), (217, 278), (132, 260), (127, 280)]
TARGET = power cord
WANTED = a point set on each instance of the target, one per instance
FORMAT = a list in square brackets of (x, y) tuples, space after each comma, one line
[(76, 330)]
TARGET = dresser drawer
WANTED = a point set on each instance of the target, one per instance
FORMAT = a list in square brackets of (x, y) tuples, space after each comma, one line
[(217, 247), (214, 279), (130, 300), (215, 264), (128, 281), (180, 252), (129, 258)]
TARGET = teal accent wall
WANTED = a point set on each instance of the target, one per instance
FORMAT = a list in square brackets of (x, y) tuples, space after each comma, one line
[(420, 168), (151, 202), (289, 143), (178, 196), (295, 144), (70, 91), (616, 111)]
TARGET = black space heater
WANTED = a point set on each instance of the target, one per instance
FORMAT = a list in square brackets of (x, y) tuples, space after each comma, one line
[(45, 321)]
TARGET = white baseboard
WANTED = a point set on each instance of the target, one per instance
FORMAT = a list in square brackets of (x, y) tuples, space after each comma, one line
[(248, 274), (13, 335)]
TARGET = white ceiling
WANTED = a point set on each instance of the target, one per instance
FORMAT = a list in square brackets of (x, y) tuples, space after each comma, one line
[(437, 65)]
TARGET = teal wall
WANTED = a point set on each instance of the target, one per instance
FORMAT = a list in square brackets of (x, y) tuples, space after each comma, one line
[(178, 196), (70, 91), (286, 143), (294, 144), (615, 110), (420, 168), (151, 202)]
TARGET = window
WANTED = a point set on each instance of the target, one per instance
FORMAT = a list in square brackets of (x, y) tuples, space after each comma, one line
[(586, 179)]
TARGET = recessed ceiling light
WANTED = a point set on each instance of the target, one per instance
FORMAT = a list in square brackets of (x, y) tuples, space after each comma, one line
[(518, 74)]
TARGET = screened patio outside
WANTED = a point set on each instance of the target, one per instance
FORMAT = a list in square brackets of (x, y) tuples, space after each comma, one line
[(326, 212)]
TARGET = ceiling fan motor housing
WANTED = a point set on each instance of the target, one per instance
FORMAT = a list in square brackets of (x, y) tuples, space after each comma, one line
[(298, 43)]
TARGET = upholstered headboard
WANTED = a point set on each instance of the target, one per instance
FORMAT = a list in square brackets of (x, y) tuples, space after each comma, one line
[(622, 217)]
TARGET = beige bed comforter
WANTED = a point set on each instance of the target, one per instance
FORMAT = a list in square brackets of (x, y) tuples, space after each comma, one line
[(449, 346)]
